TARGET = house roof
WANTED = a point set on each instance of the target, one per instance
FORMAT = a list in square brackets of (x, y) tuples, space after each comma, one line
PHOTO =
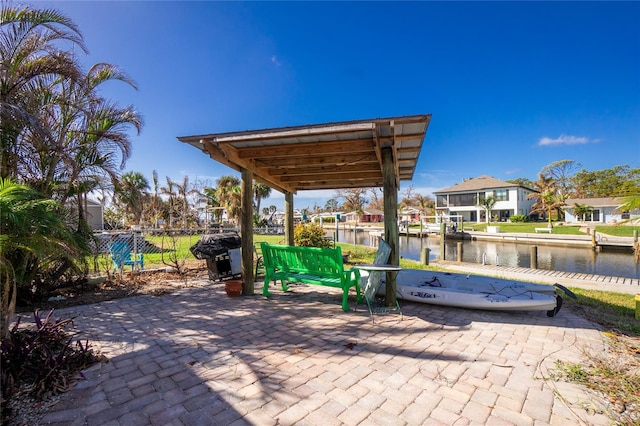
[(478, 184), (321, 156), (594, 202), (368, 212)]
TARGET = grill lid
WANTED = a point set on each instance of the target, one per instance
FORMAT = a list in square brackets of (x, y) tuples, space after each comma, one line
[(211, 245)]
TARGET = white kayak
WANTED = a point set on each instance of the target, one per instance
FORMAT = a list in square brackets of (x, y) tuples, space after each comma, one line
[(475, 292)]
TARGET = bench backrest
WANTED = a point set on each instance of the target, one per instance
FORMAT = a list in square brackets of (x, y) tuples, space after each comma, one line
[(120, 252), (319, 261)]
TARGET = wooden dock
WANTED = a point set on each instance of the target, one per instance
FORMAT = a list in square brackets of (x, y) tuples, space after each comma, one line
[(545, 276)]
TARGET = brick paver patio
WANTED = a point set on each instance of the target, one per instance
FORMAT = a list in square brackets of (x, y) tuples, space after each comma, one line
[(197, 357)]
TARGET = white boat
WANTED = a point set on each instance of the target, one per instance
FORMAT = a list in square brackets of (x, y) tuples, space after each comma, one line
[(476, 292)]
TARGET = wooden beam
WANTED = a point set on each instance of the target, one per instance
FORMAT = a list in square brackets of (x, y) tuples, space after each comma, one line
[(229, 156), (391, 236), (311, 160), (402, 138), (332, 177), (351, 147), (219, 156), (409, 150), (292, 133), (288, 218), (246, 233), (321, 170), (304, 186)]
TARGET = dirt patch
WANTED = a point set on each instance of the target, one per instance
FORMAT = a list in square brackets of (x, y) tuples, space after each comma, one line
[(98, 290)]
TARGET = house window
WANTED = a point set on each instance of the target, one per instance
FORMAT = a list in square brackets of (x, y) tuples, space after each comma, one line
[(458, 200), (501, 195)]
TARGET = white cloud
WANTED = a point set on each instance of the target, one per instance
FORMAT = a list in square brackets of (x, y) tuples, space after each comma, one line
[(563, 140), (275, 61)]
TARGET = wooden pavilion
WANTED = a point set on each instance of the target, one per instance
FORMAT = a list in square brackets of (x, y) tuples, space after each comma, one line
[(378, 152)]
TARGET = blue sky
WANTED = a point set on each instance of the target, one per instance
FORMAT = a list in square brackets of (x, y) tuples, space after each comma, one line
[(511, 86)]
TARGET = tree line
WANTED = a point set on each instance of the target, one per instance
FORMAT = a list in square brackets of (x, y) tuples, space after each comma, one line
[(135, 201)]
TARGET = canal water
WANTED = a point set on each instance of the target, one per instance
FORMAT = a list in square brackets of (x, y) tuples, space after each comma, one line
[(556, 258)]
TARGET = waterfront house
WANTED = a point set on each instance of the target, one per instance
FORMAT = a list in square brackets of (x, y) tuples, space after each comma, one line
[(598, 210), (462, 200), (365, 216), (409, 215)]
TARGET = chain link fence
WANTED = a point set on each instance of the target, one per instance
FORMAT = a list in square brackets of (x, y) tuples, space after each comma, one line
[(119, 252), (123, 251)]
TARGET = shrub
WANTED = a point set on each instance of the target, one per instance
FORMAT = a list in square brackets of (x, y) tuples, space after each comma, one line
[(42, 360), (310, 235), (518, 218)]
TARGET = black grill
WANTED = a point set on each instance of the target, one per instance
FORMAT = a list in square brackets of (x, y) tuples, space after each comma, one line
[(222, 253)]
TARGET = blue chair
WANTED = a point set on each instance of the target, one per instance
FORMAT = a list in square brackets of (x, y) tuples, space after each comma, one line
[(121, 256)]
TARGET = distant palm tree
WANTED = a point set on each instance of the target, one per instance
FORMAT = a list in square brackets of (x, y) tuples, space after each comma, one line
[(210, 196), (487, 204), (155, 200), (228, 193), (582, 210), (184, 192), (260, 192), (130, 194), (171, 192), (547, 198)]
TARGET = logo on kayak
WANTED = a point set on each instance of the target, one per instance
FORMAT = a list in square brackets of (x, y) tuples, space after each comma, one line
[(423, 295)]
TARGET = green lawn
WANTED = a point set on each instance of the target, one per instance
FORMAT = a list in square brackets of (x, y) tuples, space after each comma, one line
[(618, 230)]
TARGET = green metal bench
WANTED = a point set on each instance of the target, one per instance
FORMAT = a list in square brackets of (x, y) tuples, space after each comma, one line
[(308, 265)]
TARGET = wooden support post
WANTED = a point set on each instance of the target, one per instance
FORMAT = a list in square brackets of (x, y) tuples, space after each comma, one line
[(443, 230), (246, 232), (288, 218), (534, 257), (424, 256), (390, 193), (460, 252)]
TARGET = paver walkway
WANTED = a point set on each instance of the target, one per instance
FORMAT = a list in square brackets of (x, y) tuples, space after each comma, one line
[(197, 357)]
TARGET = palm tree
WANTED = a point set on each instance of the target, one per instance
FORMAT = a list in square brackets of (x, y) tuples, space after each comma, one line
[(260, 192), (155, 199), (30, 58), (581, 210), (487, 204), (130, 194), (547, 198), (32, 233), (210, 196), (229, 194), (170, 192), (87, 140), (630, 202), (184, 192)]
